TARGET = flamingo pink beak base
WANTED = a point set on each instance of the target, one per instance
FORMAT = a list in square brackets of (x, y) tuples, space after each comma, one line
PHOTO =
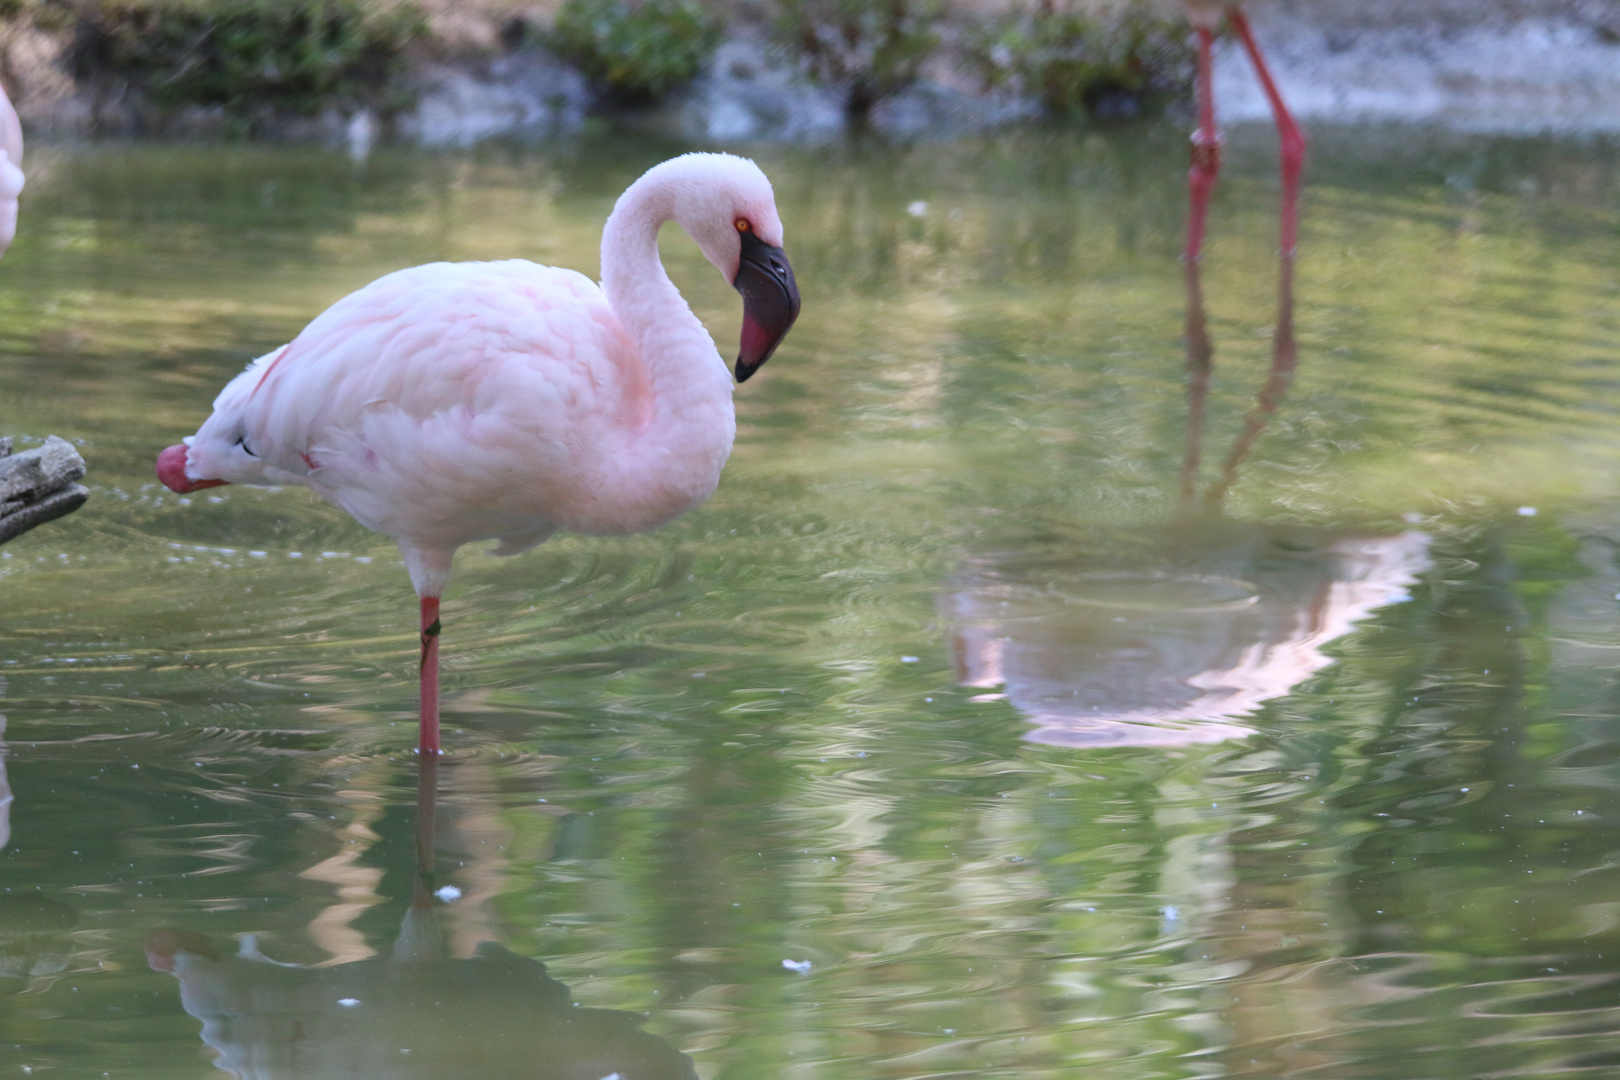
[(171, 469)]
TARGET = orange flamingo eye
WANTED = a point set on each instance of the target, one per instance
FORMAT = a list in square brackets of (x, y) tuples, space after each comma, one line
[(743, 225)]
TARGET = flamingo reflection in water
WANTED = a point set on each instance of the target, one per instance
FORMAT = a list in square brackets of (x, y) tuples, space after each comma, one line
[(1206, 619), (1181, 645), (5, 786), (413, 1013), (11, 176)]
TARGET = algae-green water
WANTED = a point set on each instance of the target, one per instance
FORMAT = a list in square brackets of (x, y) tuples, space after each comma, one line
[(951, 737)]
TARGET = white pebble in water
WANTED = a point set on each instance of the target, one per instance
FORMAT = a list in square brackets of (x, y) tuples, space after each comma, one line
[(802, 967)]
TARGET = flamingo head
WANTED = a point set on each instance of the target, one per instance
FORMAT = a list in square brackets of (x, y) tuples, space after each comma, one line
[(171, 469), (726, 205), (220, 453)]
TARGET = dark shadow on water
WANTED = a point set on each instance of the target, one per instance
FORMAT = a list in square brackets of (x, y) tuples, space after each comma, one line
[(414, 1011)]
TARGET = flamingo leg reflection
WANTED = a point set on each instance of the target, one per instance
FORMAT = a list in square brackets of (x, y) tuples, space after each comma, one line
[(1291, 138), (1206, 148), (1206, 140)]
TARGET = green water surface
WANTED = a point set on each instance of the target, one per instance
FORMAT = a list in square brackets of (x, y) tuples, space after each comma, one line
[(947, 739)]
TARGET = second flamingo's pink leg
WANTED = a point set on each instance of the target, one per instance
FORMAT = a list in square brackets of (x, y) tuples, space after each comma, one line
[(1206, 148), (429, 743), (1288, 132)]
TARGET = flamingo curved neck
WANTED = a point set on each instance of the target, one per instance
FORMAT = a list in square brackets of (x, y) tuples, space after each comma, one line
[(638, 288), (678, 421)]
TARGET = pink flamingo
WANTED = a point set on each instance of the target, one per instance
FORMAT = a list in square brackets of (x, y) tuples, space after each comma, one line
[(11, 176), (506, 401), (1206, 16)]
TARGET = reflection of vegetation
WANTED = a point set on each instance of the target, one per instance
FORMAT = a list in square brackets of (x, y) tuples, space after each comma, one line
[(865, 49), (1088, 61), (248, 56), (637, 49)]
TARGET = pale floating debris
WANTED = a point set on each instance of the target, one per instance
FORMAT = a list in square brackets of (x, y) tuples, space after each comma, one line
[(917, 209), (448, 893), (1527, 511), (908, 659), (802, 967), (348, 1003)]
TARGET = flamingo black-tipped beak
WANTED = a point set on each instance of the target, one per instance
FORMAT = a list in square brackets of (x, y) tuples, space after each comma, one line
[(770, 302), (171, 469)]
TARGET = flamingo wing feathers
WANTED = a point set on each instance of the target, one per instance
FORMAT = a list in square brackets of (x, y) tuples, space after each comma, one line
[(436, 403)]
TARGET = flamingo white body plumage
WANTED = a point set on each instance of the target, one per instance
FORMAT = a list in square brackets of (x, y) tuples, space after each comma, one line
[(11, 174), (458, 402)]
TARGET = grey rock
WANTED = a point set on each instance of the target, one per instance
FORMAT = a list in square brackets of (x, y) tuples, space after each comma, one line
[(527, 92), (1499, 71), (744, 97), (930, 109), (37, 485), (747, 95)]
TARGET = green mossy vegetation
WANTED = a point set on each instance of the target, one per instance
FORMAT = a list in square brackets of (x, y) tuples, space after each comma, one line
[(636, 50), (866, 49), (258, 59), (1083, 62), (251, 57)]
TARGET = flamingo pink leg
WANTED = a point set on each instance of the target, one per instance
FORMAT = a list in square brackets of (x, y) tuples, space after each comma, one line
[(1206, 149), (429, 743), (1288, 132)]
